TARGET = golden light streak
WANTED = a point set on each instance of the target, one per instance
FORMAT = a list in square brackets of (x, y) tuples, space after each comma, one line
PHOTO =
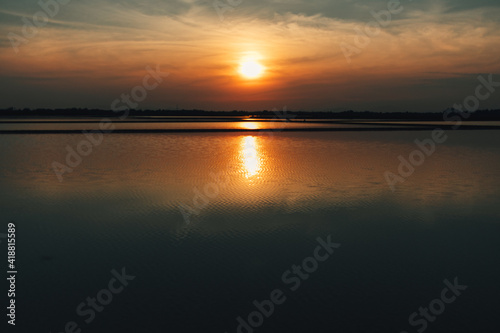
[(250, 156)]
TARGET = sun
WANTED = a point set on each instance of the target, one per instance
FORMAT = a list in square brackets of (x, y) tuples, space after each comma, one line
[(251, 69)]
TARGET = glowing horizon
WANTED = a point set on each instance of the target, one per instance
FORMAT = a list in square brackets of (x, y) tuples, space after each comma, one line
[(425, 59)]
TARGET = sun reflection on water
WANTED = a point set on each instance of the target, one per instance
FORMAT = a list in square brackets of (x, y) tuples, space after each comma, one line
[(249, 124), (250, 156)]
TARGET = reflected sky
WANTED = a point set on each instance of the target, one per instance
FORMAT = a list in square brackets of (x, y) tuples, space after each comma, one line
[(120, 208), (292, 172)]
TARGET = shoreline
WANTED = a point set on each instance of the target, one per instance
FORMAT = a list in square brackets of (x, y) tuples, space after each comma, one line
[(240, 130)]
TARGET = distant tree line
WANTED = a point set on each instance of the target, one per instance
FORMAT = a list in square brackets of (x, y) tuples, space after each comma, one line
[(480, 115)]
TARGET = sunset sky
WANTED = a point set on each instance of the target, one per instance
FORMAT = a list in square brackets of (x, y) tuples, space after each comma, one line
[(426, 58)]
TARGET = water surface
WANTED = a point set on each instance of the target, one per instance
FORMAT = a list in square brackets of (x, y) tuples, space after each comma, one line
[(275, 195)]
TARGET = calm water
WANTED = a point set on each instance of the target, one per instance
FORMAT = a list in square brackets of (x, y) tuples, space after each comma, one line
[(182, 125), (239, 125), (269, 198)]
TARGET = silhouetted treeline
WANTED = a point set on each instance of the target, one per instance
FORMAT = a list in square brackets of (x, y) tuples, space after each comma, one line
[(480, 115)]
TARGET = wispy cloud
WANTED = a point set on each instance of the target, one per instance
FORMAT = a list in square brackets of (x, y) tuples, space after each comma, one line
[(103, 46)]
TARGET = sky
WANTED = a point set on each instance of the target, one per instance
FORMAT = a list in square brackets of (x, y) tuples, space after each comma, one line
[(324, 55)]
